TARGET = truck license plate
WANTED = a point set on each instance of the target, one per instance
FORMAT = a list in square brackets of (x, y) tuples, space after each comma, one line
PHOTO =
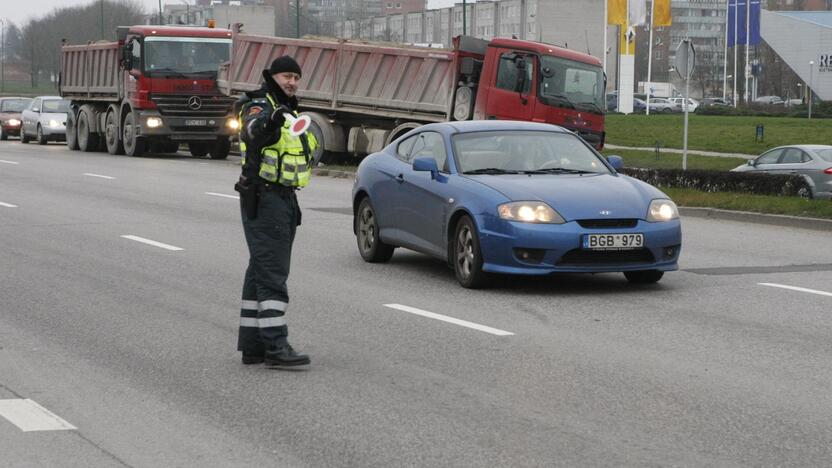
[(196, 123), (613, 241)]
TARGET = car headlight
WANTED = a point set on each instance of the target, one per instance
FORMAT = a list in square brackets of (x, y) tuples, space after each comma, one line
[(14, 122), (529, 212), (154, 122), (233, 124), (662, 210), (54, 123)]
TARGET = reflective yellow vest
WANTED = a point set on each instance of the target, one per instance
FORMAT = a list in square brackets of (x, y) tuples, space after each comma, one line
[(285, 162)]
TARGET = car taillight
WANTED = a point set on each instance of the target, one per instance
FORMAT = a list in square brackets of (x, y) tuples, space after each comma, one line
[(828, 171)]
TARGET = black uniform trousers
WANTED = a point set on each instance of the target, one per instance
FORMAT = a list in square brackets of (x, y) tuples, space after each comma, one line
[(265, 295)]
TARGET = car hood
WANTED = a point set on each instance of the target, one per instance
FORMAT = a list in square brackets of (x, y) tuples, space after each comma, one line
[(579, 196), (10, 115)]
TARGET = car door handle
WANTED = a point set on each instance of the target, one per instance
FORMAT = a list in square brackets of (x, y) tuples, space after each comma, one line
[(400, 178)]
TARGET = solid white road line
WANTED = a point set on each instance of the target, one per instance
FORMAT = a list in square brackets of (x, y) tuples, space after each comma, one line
[(236, 197), (152, 242), (445, 318), (98, 175), (30, 416), (8, 205), (8, 162), (795, 288)]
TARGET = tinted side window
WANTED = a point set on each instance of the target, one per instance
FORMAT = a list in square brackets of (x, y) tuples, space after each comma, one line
[(508, 74), (771, 157), (403, 150), (430, 145), (35, 105)]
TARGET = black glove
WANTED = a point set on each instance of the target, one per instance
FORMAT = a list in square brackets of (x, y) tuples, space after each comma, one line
[(277, 119)]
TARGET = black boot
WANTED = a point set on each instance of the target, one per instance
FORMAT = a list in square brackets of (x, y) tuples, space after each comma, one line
[(252, 358), (285, 356)]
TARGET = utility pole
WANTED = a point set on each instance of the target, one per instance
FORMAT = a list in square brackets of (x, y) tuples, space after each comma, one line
[(102, 19), (464, 19), (297, 19), (809, 86), (160, 13), (3, 55)]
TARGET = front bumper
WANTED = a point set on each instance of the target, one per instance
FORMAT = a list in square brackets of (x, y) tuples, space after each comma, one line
[(184, 128), (11, 130), (56, 132), (540, 249)]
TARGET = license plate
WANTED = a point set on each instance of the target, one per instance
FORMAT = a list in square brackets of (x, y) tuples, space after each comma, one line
[(613, 241), (196, 123)]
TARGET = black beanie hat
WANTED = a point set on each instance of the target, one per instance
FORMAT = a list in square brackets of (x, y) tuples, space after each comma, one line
[(284, 64)]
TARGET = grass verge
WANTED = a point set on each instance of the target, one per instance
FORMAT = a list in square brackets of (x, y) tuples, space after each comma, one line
[(792, 206), (725, 134)]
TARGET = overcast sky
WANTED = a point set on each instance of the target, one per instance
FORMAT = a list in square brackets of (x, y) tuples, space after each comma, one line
[(20, 11)]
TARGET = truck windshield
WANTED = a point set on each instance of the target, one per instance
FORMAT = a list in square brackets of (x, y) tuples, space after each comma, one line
[(567, 83), (184, 57)]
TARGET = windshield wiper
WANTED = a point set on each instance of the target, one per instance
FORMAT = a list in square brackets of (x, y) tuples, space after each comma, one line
[(558, 170), (561, 98), (592, 105), (169, 72), (491, 170)]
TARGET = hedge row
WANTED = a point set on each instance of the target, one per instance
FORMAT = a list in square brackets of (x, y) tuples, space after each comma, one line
[(719, 181), (820, 110)]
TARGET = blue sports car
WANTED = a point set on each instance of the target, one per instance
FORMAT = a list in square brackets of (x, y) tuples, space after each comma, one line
[(511, 197)]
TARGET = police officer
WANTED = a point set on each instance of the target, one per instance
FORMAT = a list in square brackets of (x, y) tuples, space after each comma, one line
[(275, 164)]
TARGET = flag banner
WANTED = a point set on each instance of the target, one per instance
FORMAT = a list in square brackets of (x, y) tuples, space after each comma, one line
[(738, 34), (616, 11), (638, 12), (661, 13)]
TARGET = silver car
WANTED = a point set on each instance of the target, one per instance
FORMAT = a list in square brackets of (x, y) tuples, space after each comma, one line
[(44, 120), (814, 162)]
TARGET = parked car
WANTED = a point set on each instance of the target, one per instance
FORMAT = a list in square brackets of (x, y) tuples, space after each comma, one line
[(814, 162), (714, 102), (10, 119), (661, 105), (638, 104), (679, 104), (511, 197), (44, 120), (768, 100)]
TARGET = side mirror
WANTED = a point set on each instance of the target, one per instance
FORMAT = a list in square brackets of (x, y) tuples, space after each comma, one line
[(426, 165), (617, 162), (751, 163), (127, 56)]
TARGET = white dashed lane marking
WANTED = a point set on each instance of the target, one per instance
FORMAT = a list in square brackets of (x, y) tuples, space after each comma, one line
[(27, 415), (99, 176), (215, 194), (151, 242), (8, 162), (795, 288), (8, 205), (445, 318)]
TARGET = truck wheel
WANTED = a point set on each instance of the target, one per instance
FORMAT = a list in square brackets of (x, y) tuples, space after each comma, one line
[(71, 131), (220, 149), (87, 140), (133, 144), (111, 134), (3, 136), (41, 137), (198, 149), (319, 155)]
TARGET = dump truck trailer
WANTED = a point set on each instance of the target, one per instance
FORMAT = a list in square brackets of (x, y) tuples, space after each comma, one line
[(151, 90), (362, 95)]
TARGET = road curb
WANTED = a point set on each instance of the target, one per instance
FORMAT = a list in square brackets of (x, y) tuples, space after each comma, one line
[(758, 218), (320, 171)]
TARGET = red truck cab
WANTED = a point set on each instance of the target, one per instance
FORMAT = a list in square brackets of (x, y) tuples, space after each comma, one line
[(537, 82)]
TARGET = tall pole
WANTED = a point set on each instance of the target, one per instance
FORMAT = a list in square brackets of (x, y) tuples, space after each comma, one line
[(736, 35), (725, 55), (465, 19), (297, 19), (160, 13), (650, 55), (809, 87), (747, 48), (604, 52), (102, 19), (3, 55)]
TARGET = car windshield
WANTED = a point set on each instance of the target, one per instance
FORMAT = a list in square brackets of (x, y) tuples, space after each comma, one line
[(578, 84), (14, 105), (514, 151), (825, 154), (185, 56), (55, 106)]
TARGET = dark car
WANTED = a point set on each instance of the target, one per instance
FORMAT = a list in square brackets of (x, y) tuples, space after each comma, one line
[(813, 162), (714, 102), (638, 104), (10, 119)]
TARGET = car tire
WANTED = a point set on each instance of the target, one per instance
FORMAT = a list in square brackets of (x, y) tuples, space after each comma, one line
[(23, 137), (3, 136), (643, 276), (805, 192), (41, 137), (467, 256), (370, 245), (133, 144)]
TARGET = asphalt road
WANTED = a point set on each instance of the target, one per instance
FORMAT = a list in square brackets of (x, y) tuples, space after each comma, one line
[(123, 353)]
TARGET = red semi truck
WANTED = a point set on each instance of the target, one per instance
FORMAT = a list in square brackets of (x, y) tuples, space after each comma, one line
[(360, 96), (152, 90)]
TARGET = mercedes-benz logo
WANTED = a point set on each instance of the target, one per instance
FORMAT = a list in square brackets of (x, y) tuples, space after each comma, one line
[(194, 103)]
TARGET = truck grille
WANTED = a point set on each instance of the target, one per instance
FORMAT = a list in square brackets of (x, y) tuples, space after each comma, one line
[(183, 105)]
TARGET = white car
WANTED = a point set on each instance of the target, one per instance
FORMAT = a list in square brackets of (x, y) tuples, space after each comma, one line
[(44, 120), (679, 104)]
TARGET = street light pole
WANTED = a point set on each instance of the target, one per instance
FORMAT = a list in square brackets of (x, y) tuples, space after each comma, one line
[(102, 19), (809, 86), (3, 55), (464, 19), (297, 19)]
